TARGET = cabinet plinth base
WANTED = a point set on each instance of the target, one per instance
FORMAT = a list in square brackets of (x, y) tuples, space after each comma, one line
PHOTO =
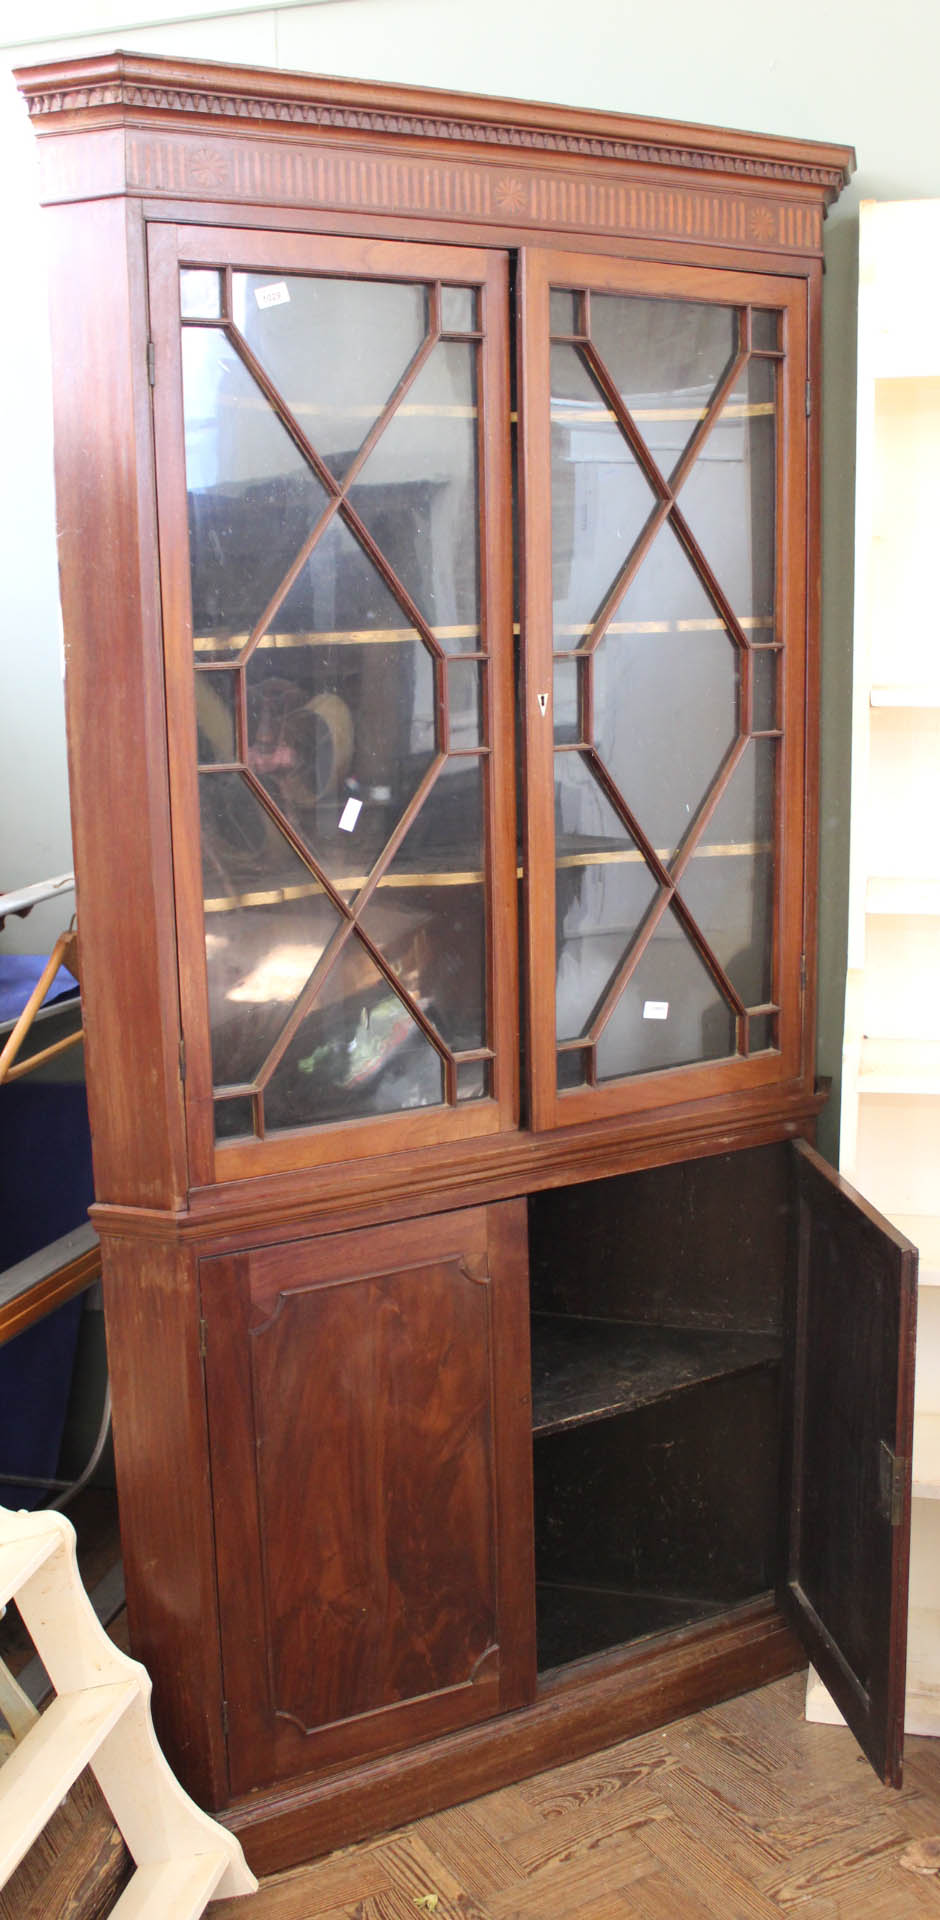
[(589, 1706)]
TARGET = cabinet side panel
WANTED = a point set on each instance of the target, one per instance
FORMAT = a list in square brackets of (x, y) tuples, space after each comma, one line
[(161, 1455), (117, 751)]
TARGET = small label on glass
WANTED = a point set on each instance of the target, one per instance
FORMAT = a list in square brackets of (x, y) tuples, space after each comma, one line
[(350, 815), (276, 296), (655, 1009)]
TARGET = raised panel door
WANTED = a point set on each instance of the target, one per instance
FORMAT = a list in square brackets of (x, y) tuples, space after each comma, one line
[(371, 1470)]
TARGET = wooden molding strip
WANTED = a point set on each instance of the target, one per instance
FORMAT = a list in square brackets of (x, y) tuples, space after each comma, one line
[(595, 1704), (115, 87)]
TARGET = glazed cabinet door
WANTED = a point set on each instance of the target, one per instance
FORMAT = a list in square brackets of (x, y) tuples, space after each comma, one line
[(331, 420), (370, 1435), (665, 629), (848, 1514)]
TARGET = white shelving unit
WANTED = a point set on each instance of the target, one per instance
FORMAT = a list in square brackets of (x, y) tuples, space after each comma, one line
[(890, 1117)]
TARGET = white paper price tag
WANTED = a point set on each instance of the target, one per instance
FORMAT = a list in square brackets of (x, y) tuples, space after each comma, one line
[(655, 1009), (276, 296), (350, 815)]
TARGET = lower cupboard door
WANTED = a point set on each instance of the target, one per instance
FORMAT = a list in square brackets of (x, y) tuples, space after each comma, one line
[(370, 1440)]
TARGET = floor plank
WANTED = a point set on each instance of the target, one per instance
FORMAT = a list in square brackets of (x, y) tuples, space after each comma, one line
[(740, 1813)]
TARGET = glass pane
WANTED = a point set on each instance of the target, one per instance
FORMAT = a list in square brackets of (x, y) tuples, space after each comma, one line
[(666, 357), (566, 705), (765, 669), (762, 1032), (603, 888), (473, 1080), (215, 717), (601, 499), (572, 1069), (358, 1053), (234, 1119), (200, 293), (428, 914), (335, 349), (418, 496), (670, 1013), (728, 498), (665, 694), (564, 311), (252, 497), (267, 923), (458, 309), (728, 885), (341, 707), (465, 703), (765, 330)]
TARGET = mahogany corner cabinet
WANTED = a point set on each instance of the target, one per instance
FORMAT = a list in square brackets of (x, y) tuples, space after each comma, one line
[(497, 1369)]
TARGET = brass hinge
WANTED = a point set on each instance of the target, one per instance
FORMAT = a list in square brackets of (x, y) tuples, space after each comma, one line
[(893, 1472), (151, 363), (203, 1337), (182, 1060), (809, 399), (802, 973)]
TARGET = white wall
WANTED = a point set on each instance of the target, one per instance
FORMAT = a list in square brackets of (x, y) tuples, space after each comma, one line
[(852, 70)]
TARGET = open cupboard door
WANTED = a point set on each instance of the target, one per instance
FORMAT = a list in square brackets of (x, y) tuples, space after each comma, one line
[(848, 1512)]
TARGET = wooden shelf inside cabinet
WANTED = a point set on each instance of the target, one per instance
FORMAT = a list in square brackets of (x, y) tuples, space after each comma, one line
[(586, 1370), (900, 1066)]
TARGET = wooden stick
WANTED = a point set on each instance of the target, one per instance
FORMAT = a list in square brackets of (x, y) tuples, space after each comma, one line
[(25, 1021), (36, 1059)]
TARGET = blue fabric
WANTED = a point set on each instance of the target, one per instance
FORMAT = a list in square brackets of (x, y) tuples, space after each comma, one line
[(19, 973), (45, 1190)]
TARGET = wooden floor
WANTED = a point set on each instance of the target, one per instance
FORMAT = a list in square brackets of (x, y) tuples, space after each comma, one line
[(742, 1813)]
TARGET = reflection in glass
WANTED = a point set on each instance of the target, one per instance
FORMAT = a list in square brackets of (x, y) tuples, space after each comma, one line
[(564, 311), (761, 1032), (765, 330), (572, 1069), (728, 885), (601, 499), (200, 293), (215, 717), (334, 349), (234, 1119), (665, 694), (341, 707), (728, 498), (670, 1013), (666, 357), (464, 703), (417, 494), (765, 666), (458, 309), (428, 913), (603, 888), (267, 924), (252, 497), (566, 705), (359, 1053), (473, 1080)]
